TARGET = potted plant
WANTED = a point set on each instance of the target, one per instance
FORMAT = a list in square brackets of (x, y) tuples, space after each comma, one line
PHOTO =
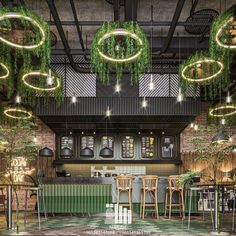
[(17, 146)]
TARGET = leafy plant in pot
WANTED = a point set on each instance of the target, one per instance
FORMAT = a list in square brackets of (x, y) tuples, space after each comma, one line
[(188, 178), (17, 142)]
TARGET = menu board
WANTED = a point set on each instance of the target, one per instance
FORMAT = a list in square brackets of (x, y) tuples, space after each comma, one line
[(67, 142), (87, 141), (108, 141), (167, 146), (128, 147), (147, 146)]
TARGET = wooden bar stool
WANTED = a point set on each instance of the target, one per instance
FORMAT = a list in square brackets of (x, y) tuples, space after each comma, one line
[(38, 190), (149, 187), (124, 184), (174, 187)]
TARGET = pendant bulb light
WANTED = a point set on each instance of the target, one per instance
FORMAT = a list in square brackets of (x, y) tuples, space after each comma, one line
[(108, 112), (144, 103), (117, 87), (50, 79), (223, 121), (228, 98), (73, 99), (180, 96), (18, 99), (195, 127), (192, 125)]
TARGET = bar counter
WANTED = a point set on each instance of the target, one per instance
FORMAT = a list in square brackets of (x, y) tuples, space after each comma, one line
[(91, 194)]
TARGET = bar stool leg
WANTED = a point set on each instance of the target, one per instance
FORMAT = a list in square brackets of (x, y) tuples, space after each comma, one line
[(38, 209), (170, 203), (144, 199), (26, 196), (156, 204), (212, 220), (141, 202), (130, 199), (189, 208), (118, 197), (203, 209), (166, 202), (180, 205)]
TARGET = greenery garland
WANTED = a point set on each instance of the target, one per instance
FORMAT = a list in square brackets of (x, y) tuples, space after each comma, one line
[(117, 49), (211, 87), (30, 95)]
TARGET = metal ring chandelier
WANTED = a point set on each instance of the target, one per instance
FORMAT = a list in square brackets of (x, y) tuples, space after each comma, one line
[(120, 32), (222, 108), (38, 73), (219, 33), (17, 113), (6, 70), (14, 15), (206, 60)]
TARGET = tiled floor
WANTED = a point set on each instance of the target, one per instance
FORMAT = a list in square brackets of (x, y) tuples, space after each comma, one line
[(98, 225)]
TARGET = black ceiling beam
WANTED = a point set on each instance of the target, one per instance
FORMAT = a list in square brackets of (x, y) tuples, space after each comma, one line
[(141, 23), (61, 32), (78, 27), (131, 9), (116, 7), (173, 25)]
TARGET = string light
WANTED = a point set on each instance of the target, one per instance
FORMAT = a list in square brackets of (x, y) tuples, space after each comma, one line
[(223, 121), (18, 99), (73, 99), (117, 87), (228, 98), (50, 78), (151, 84), (108, 112), (195, 127), (144, 102), (180, 96)]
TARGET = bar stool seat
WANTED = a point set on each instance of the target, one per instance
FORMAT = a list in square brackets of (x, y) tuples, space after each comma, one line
[(174, 187), (124, 184), (149, 187), (38, 190)]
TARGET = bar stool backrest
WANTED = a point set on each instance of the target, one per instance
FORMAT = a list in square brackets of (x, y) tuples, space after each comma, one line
[(150, 182), (124, 182), (173, 184)]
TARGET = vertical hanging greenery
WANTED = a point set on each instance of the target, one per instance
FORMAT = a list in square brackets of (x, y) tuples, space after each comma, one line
[(119, 46)]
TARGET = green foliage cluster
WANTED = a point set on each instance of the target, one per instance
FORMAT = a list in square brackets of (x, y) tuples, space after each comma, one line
[(21, 60), (214, 87), (119, 48)]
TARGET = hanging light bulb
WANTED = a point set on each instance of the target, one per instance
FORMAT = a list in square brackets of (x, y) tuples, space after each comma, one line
[(180, 96), (73, 99), (144, 102), (192, 125), (223, 121), (228, 98), (108, 112), (50, 78), (151, 84), (117, 87), (18, 99), (35, 139), (195, 127)]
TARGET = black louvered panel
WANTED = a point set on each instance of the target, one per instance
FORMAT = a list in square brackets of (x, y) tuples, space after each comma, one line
[(121, 106), (161, 85)]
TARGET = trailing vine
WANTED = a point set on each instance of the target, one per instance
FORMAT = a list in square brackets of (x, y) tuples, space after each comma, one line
[(119, 48), (191, 68)]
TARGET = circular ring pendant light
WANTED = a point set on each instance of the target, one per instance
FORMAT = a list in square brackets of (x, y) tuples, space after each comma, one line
[(199, 62), (15, 15), (223, 110), (120, 32), (219, 33), (19, 113), (38, 74), (6, 71)]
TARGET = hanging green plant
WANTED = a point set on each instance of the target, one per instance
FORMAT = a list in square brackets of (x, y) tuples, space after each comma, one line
[(34, 83), (118, 46), (201, 69), (223, 32), (26, 35)]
